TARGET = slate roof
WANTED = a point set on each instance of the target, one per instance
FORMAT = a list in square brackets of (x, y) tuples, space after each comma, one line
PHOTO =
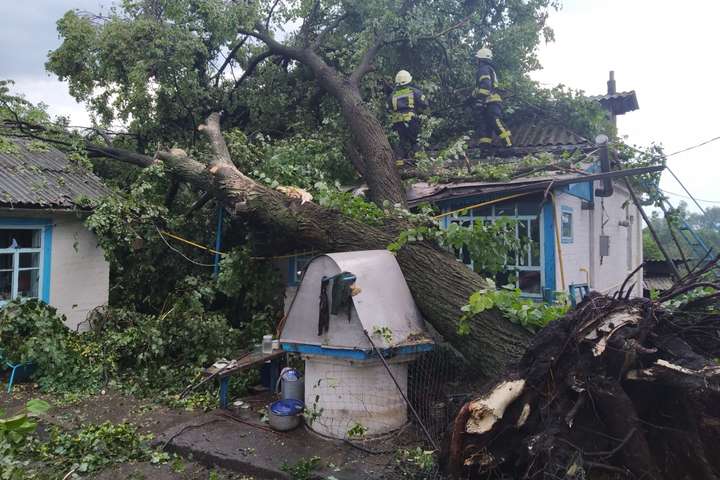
[(618, 103), (531, 138), (30, 178)]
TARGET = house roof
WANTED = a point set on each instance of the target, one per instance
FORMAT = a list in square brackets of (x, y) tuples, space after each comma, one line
[(43, 177), (618, 103), (533, 137), (659, 283)]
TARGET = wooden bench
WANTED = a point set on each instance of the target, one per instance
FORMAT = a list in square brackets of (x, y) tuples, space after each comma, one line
[(251, 359)]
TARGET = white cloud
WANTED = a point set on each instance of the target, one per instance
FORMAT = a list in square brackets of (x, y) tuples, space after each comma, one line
[(663, 50), (55, 95)]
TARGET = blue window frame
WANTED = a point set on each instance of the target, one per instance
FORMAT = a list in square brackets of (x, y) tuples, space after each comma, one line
[(25, 246), (296, 267), (527, 266), (566, 224)]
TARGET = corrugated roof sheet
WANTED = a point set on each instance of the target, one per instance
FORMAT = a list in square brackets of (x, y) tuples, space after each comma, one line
[(432, 192), (530, 138), (44, 179), (618, 103), (658, 283)]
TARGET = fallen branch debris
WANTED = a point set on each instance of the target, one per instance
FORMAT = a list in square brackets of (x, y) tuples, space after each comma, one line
[(619, 388)]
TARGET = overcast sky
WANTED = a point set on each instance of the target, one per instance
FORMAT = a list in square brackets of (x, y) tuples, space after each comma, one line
[(664, 50)]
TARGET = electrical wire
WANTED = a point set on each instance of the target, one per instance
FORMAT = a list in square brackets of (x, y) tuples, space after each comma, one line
[(689, 198)]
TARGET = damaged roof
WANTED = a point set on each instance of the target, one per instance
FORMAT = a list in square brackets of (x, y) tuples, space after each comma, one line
[(534, 137), (34, 175), (618, 103)]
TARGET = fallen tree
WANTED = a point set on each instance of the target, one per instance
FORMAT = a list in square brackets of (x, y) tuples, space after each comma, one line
[(440, 284), (621, 388)]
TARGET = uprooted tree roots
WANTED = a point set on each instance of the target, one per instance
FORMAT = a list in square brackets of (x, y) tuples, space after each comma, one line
[(616, 389)]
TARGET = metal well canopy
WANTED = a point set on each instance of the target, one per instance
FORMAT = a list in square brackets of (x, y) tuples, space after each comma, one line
[(384, 303)]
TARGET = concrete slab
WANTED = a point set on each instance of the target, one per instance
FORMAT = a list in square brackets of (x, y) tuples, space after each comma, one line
[(246, 445)]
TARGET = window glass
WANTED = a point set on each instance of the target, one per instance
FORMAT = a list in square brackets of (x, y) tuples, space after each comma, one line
[(566, 226), (5, 286), (505, 209), (535, 242), (483, 211), (529, 281), (28, 283), (301, 262), (6, 261), (524, 236), (19, 238), (29, 260)]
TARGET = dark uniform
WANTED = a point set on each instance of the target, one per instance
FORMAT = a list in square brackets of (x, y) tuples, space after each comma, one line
[(404, 103), (488, 106)]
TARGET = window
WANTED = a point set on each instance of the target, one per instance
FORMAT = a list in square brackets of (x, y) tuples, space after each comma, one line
[(523, 268), (566, 225), (297, 265), (20, 263)]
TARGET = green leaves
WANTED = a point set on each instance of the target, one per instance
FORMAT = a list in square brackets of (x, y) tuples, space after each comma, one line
[(527, 312), (37, 407)]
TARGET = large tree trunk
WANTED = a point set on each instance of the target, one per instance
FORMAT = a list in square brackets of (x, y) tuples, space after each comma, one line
[(380, 172), (439, 283)]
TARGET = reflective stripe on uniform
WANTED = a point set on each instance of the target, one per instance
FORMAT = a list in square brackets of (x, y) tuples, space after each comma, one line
[(406, 93), (484, 140), (483, 77), (481, 91), (495, 97), (504, 132), (398, 117)]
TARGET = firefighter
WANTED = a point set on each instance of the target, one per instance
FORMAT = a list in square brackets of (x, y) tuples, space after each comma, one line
[(405, 102), (488, 103)]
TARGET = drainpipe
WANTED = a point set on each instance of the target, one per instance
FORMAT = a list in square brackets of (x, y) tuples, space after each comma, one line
[(607, 186)]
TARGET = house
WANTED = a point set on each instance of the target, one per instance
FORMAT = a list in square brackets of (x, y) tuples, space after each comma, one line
[(46, 252), (574, 213)]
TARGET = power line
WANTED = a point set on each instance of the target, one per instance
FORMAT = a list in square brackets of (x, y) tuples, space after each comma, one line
[(694, 146), (689, 198)]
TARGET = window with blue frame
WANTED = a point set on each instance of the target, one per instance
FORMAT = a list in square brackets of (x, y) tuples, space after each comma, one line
[(524, 269), (296, 267), (566, 224), (20, 262)]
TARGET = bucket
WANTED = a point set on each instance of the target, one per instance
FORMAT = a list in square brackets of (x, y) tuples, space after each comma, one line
[(284, 415), (291, 385)]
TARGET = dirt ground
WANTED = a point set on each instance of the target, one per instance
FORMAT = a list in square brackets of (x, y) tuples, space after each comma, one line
[(115, 407)]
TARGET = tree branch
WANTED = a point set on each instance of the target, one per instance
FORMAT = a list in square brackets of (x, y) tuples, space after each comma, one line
[(327, 30), (365, 64), (250, 68), (229, 58)]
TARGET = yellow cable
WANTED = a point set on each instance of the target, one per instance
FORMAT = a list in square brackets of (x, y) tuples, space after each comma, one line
[(203, 247), (489, 202), (189, 242)]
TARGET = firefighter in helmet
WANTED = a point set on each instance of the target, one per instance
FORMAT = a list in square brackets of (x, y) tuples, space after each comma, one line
[(405, 102), (487, 101)]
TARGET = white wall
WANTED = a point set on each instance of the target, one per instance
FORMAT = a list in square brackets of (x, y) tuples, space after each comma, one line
[(606, 274), (79, 275)]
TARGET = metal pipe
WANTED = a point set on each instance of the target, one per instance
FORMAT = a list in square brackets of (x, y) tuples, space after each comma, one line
[(412, 409)]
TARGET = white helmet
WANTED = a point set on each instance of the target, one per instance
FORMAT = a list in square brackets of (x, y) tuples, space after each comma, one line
[(403, 77), (484, 53)]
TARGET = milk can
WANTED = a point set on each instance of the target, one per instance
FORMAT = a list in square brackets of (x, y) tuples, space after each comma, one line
[(291, 385)]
